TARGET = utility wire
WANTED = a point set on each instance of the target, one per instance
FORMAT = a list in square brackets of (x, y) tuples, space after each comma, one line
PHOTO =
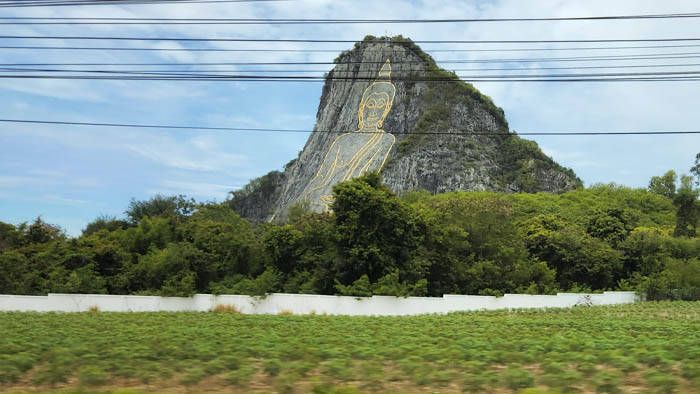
[(652, 56), (541, 133), (418, 79), (301, 21), (337, 50), (50, 3), (343, 41), (246, 70), (267, 78)]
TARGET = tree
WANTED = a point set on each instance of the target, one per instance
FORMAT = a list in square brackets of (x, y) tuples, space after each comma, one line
[(680, 280), (284, 245), (695, 170), (645, 251), (10, 236), (42, 232), (688, 214), (314, 267), (375, 231), (14, 267), (109, 259), (612, 225), (227, 241), (577, 257), (160, 206), (664, 185), (172, 271), (472, 244), (104, 222), (150, 233)]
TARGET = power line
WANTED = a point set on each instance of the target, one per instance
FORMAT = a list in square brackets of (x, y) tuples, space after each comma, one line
[(53, 3), (328, 78), (269, 78), (452, 69), (652, 56), (302, 21), (115, 38), (337, 50), (536, 133)]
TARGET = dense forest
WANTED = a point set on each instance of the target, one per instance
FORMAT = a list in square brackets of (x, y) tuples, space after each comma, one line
[(375, 242)]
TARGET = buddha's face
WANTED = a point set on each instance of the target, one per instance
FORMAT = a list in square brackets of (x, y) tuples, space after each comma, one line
[(374, 109)]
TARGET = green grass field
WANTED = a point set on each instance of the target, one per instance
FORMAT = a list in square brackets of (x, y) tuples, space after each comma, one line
[(645, 347)]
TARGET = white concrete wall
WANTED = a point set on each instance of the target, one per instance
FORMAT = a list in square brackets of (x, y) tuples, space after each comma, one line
[(301, 304)]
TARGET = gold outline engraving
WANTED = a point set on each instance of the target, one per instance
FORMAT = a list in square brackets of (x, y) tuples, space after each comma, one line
[(376, 143)]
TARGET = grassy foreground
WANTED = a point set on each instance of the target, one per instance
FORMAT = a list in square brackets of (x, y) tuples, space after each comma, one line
[(631, 348)]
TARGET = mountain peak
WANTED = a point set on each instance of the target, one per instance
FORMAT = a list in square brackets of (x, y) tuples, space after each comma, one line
[(386, 106)]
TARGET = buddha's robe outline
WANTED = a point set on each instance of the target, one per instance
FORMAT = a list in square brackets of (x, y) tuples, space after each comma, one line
[(355, 153), (339, 166)]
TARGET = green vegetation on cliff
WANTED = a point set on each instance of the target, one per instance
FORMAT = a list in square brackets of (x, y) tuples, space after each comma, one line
[(255, 198), (453, 86), (519, 161), (449, 134)]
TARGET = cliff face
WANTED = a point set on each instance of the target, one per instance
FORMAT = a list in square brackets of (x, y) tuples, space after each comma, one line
[(418, 124)]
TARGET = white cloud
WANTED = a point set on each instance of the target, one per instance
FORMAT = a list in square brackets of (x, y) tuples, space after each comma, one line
[(196, 189), (199, 153), (64, 200)]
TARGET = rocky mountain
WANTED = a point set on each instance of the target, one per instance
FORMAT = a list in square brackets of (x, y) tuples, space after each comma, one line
[(386, 106)]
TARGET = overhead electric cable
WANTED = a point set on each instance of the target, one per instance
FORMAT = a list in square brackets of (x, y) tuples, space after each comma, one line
[(337, 50), (186, 39), (653, 56), (52, 3), (268, 78), (303, 21), (331, 78), (541, 133), (522, 69)]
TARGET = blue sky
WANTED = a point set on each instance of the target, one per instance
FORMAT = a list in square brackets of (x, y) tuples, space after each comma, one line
[(70, 175)]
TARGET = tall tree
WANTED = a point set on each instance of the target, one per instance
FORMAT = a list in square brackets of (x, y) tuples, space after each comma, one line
[(375, 231), (695, 170), (688, 208), (664, 185), (161, 206)]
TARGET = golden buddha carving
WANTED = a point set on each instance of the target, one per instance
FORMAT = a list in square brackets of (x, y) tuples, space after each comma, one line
[(355, 153)]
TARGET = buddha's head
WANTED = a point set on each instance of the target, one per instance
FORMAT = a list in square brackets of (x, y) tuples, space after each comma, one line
[(377, 99)]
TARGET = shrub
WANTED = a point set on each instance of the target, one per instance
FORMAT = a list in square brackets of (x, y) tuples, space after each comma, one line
[(562, 380), (193, 376), (478, 381), (373, 374), (339, 368), (272, 366), (301, 368), (516, 378), (608, 381), (286, 382), (92, 376), (226, 308), (9, 373), (230, 362), (663, 383), (240, 377), (623, 363)]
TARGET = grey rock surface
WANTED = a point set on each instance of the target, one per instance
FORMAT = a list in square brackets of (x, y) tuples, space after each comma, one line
[(447, 136)]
